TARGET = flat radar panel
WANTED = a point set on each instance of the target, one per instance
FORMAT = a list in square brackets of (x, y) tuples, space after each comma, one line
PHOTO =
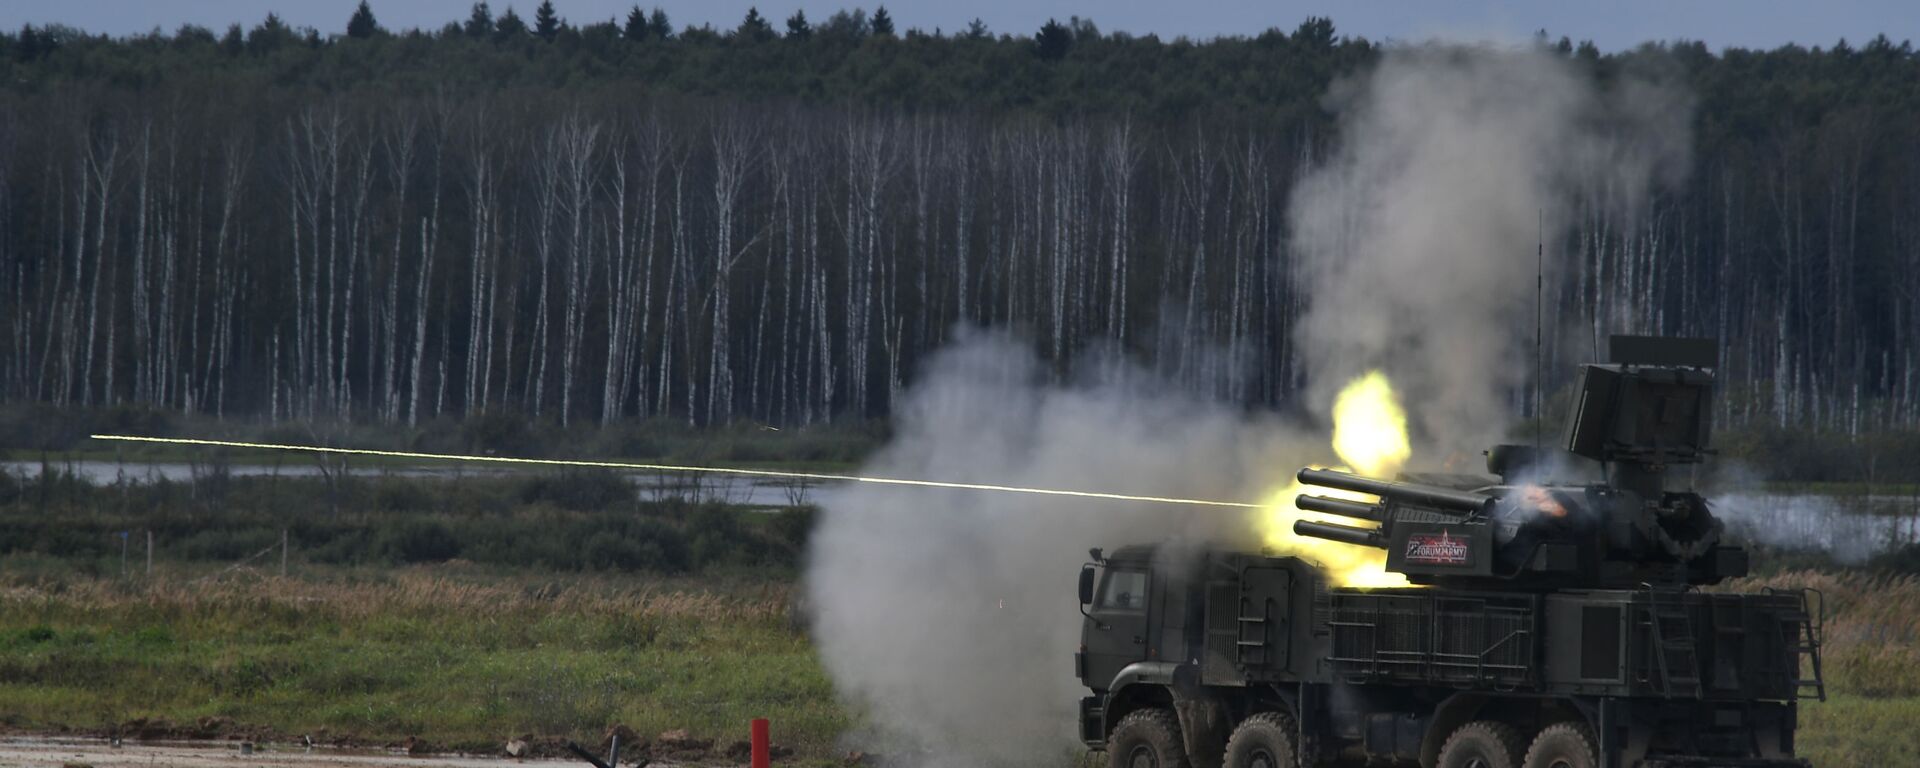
[(1663, 351), (1649, 414)]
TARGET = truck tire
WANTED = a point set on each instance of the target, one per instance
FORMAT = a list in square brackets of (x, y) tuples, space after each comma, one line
[(1147, 738), (1562, 745), (1264, 740), (1483, 744)]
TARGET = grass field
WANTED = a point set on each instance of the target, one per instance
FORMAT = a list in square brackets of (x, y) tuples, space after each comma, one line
[(466, 659), (463, 663)]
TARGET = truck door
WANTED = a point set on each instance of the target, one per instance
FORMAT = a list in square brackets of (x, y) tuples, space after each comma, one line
[(1118, 623), (1249, 623)]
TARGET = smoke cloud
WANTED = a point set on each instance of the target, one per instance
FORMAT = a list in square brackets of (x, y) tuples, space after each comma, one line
[(1417, 239), (1850, 529), (946, 618), (1805, 522)]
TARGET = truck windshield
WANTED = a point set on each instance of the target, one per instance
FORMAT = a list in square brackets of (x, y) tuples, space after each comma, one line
[(1123, 591)]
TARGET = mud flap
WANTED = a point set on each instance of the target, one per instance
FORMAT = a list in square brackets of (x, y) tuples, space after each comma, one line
[(1203, 726)]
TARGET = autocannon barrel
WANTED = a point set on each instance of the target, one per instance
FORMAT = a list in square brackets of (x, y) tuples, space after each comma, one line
[(1446, 499), (1340, 507), (1341, 533)]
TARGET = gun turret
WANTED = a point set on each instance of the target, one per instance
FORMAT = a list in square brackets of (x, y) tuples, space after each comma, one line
[(1428, 531), (1645, 411)]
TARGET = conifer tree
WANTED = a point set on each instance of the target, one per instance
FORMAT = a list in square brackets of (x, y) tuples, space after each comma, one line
[(270, 35), (797, 26), (636, 29), (882, 21), (234, 42), (658, 27), (480, 22), (754, 28), (362, 24), (510, 27), (1052, 41), (546, 24)]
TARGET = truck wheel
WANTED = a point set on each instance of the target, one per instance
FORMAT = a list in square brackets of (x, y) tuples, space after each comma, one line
[(1562, 745), (1263, 741), (1482, 744), (1147, 738)]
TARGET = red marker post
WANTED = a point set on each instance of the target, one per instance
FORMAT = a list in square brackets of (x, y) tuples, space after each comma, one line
[(761, 743)]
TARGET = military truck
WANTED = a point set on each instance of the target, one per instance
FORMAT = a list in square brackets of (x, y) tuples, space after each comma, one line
[(1555, 621)]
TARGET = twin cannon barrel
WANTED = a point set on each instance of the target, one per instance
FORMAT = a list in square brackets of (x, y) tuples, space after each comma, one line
[(1443, 500)]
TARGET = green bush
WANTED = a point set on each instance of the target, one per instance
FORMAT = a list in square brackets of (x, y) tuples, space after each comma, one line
[(792, 528), (646, 546), (715, 538), (584, 490), (494, 432), (133, 420), (414, 540), (1904, 560), (402, 495)]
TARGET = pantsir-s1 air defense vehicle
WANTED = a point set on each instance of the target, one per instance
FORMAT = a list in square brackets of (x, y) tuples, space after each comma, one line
[(1555, 623)]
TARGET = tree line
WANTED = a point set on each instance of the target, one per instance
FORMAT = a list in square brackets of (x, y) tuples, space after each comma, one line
[(614, 221)]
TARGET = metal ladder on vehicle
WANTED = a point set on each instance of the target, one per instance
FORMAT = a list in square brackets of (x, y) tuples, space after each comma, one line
[(1251, 652), (1675, 654), (1809, 627)]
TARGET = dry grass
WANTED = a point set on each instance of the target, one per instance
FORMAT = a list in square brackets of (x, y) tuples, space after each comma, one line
[(1872, 663)]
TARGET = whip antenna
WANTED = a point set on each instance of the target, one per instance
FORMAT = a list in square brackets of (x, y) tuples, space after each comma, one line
[(1539, 325)]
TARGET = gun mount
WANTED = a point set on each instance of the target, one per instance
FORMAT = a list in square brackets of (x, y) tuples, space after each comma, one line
[(1640, 414)]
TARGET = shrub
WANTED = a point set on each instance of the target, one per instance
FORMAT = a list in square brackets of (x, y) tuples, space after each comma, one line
[(1904, 560), (134, 420), (717, 538), (9, 487), (400, 495), (581, 491), (499, 432), (793, 527), (416, 541)]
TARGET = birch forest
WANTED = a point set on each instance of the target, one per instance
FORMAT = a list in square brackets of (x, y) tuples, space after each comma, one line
[(585, 224)]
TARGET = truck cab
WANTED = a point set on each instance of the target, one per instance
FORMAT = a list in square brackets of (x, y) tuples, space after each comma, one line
[(1118, 598)]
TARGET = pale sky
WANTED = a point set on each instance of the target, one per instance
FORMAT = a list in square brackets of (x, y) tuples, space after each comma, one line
[(1612, 25)]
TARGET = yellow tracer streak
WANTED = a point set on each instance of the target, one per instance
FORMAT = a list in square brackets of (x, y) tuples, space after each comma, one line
[(677, 468)]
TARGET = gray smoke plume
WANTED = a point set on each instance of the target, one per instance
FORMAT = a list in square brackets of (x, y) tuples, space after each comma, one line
[(1806, 522), (1417, 238), (946, 618), (1850, 529)]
